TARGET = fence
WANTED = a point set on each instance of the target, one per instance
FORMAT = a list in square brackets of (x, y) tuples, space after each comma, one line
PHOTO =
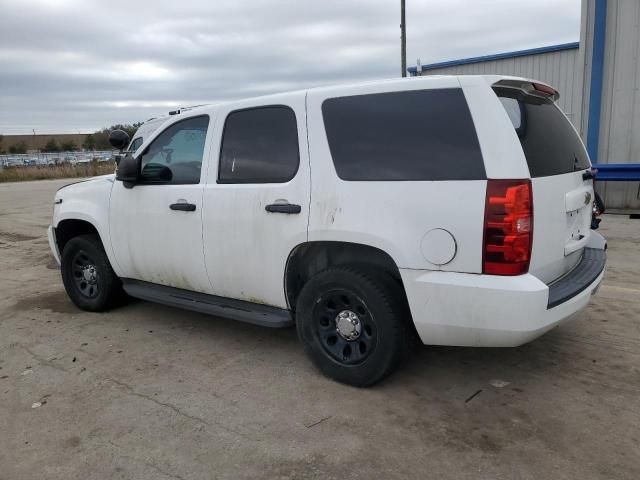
[(29, 159), (618, 172)]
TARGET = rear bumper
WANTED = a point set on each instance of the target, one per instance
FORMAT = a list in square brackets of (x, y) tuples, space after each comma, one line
[(588, 269), (493, 311)]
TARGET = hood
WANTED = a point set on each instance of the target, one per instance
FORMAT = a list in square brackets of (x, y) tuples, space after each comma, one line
[(101, 178)]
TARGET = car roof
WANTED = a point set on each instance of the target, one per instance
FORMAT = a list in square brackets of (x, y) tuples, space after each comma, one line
[(153, 124)]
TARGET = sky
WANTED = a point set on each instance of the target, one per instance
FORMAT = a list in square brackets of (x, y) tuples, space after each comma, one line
[(69, 66)]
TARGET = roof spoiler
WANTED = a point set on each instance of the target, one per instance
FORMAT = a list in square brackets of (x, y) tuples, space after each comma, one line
[(529, 87)]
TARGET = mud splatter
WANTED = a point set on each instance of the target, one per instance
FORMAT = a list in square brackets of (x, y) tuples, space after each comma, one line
[(16, 237), (55, 301)]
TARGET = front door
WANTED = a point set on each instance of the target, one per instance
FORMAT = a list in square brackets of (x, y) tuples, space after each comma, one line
[(256, 200), (156, 226)]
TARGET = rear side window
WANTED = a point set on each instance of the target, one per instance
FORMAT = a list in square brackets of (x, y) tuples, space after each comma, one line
[(549, 142), (414, 135), (259, 145)]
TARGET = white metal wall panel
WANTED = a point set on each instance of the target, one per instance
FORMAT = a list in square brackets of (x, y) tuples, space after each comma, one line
[(559, 69), (570, 72), (620, 113)]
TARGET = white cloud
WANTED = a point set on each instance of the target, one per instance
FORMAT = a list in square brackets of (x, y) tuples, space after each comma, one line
[(71, 64)]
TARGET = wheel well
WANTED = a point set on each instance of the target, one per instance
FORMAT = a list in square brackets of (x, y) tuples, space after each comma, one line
[(310, 258), (68, 229)]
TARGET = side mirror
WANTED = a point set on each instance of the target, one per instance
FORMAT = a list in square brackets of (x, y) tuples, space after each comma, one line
[(128, 170), (119, 139)]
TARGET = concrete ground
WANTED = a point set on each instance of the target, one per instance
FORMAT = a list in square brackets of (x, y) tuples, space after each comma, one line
[(150, 392)]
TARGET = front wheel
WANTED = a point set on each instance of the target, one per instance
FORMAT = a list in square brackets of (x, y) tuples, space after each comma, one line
[(87, 275), (353, 325)]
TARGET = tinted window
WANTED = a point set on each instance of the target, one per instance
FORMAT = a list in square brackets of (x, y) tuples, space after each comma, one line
[(414, 135), (175, 156), (259, 145), (550, 144)]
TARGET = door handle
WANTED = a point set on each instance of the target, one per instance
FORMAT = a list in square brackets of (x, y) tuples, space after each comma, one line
[(283, 208), (183, 207)]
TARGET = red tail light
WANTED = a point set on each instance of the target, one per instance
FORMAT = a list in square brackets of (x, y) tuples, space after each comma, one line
[(544, 88), (508, 227)]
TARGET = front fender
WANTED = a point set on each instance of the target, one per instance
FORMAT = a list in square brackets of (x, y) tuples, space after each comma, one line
[(88, 201)]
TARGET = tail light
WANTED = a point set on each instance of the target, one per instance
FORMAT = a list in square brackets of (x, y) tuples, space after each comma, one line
[(508, 227), (546, 89)]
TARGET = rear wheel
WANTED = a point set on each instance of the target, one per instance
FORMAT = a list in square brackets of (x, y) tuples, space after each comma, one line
[(87, 275), (354, 325)]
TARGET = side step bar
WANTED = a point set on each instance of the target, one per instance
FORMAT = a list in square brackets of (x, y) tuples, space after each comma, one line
[(263, 315)]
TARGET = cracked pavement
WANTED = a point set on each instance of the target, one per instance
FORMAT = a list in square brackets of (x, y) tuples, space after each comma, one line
[(151, 392)]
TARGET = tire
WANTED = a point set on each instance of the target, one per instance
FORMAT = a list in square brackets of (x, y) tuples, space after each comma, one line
[(358, 356), (100, 289)]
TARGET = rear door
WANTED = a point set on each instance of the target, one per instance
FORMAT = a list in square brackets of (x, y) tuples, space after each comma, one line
[(557, 159), (256, 200)]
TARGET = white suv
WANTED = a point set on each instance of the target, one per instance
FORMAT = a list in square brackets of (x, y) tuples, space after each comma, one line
[(456, 209)]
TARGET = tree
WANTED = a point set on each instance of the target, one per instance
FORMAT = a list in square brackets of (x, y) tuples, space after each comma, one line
[(51, 146), (18, 148), (89, 143), (1, 138), (68, 146), (102, 136)]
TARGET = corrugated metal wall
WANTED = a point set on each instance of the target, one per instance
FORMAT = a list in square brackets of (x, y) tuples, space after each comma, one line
[(559, 69), (620, 113), (570, 72)]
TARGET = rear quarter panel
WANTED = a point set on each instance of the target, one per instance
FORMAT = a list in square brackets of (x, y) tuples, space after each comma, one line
[(392, 216)]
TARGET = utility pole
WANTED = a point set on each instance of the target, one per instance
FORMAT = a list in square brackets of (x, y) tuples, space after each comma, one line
[(403, 38)]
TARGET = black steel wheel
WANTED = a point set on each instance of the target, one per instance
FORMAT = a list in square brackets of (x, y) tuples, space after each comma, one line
[(354, 324), (87, 275), (344, 326)]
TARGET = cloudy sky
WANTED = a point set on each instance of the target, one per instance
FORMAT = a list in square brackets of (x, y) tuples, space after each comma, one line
[(78, 65)]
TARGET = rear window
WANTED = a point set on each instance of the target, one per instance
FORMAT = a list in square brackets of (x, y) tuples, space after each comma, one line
[(413, 135), (548, 140)]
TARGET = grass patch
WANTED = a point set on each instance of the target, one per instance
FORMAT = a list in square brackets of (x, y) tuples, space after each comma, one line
[(44, 172)]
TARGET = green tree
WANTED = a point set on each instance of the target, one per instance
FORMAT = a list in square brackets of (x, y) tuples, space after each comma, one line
[(51, 146), (89, 143), (68, 146), (18, 148), (102, 136)]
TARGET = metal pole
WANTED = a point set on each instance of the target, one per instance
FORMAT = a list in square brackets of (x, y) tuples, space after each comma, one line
[(403, 39)]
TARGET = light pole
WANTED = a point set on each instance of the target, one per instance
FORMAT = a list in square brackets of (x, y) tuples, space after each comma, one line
[(403, 39)]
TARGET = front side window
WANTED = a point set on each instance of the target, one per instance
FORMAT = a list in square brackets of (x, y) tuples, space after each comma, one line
[(410, 135), (175, 156), (135, 144), (259, 145)]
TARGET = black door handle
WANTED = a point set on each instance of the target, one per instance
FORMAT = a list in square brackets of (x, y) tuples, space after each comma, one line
[(283, 208), (184, 207)]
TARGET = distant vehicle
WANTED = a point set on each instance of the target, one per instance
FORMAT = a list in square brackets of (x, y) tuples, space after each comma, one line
[(82, 158), (454, 208), (15, 162)]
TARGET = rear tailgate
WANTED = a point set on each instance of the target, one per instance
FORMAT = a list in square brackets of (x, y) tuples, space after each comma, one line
[(557, 159)]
